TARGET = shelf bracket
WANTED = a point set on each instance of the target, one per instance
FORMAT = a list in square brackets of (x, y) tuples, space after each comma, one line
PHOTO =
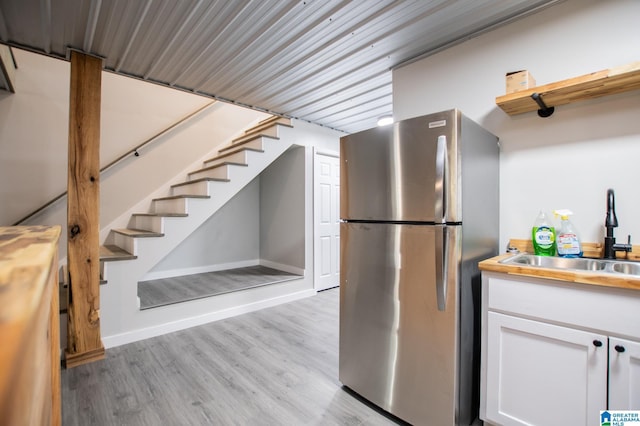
[(544, 110)]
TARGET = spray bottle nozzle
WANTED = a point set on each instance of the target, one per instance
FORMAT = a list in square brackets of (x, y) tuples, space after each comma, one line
[(563, 213)]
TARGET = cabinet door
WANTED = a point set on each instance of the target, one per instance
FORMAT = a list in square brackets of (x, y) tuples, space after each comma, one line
[(541, 374), (624, 374)]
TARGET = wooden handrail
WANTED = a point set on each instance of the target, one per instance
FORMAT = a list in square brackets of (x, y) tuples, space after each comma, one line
[(156, 136), (133, 151)]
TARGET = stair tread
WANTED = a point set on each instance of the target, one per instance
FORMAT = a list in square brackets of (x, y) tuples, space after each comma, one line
[(251, 136), (265, 124), (161, 214), (237, 150), (236, 145), (111, 253), (270, 119), (226, 163), (139, 233), (204, 179), (176, 197)]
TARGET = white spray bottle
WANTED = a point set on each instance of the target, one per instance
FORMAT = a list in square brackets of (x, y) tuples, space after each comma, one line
[(567, 240)]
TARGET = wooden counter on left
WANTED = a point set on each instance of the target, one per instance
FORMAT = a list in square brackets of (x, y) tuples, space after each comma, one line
[(29, 326)]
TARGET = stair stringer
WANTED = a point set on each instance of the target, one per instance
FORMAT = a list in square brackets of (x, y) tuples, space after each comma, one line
[(121, 319)]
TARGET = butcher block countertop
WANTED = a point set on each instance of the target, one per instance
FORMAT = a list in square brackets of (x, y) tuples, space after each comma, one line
[(583, 277), (29, 326)]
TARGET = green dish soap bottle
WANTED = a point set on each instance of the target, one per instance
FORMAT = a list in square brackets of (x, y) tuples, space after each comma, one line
[(567, 240), (543, 236)]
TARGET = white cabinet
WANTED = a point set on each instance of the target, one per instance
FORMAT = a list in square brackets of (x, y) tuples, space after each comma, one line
[(557, 353), (624, 374), (537, 369)]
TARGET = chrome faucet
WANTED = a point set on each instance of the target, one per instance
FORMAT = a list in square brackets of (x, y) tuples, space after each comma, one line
[(610, 222)]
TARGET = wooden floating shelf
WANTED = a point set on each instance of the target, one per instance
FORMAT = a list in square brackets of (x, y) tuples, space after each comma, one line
[(589, 86)]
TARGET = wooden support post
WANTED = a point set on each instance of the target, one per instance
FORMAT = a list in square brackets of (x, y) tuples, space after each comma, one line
[(84, 343)]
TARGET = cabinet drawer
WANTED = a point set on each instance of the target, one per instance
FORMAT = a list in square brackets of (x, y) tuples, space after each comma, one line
[(603, 309)]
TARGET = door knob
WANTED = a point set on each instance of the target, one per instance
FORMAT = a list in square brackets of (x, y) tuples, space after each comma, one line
[(619, 348), (597, 343)]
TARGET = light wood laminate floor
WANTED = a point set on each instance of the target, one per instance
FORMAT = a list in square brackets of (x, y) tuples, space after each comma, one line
[(277, 366)]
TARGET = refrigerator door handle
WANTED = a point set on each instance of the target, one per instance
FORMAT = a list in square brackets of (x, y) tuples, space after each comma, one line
[(440, 206), (441, 267)]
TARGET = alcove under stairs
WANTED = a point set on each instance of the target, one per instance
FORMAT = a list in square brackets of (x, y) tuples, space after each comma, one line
[(167, 291)]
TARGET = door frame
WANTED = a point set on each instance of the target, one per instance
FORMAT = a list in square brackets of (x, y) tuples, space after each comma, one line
[(316, 214)]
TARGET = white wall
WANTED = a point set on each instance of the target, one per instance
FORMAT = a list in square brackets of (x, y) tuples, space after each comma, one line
[(287, 242), (34, 140), (266, 222), (33, 133), (565, 161), (282, 210), (229, 238)]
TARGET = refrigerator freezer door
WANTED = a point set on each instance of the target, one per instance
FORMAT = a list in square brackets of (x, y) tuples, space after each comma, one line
[(397, 348), (405, 172)]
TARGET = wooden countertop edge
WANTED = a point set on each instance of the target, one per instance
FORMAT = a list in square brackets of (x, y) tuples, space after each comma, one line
[(26, 262), (589, 278)]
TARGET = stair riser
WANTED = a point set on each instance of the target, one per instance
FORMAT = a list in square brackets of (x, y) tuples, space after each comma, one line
[(178, 205), (269, 132), (148, 223), (238, 157), (126, 243), (217, 173), (256, 144), (196, 188), (121, 318), (260, 127)]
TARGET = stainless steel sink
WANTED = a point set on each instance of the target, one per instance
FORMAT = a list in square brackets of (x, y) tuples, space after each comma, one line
[(576, 264), (628, 268)]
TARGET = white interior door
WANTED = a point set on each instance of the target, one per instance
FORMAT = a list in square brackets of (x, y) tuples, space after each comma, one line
[(326, 221)]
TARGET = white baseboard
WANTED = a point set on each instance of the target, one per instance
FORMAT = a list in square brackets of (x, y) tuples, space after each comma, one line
[(282, 267), (170, 273), (160, 329)]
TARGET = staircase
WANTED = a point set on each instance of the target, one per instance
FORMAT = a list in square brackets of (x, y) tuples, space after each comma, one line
[(129, 253), (218, 169)]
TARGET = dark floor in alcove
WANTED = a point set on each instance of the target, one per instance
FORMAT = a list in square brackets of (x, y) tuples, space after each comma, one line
[(166, 291)]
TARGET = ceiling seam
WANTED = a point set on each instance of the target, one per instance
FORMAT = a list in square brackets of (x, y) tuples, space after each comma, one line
[(160, 58), (45, 24), (366, 46), (211, 43), (261, 33), (4, 33), (324, 46), (94, 13), (133, 36), (515, 17), (362, 81), (289, 42)]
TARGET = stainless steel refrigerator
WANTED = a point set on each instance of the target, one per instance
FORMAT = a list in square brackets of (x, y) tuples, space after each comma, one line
[(419, 209)]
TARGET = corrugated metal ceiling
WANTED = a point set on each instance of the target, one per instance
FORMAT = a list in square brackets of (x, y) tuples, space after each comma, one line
[(324, 61)]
